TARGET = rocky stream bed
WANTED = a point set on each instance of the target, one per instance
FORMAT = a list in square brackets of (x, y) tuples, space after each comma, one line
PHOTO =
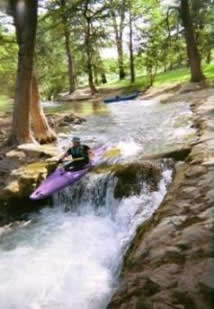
[(169, 263)]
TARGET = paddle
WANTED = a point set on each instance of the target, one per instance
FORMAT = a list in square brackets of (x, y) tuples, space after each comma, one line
[(112, 153)]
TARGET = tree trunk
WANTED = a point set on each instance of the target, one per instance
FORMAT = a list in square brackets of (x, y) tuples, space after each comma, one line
[(101, 69), (119, 43), (71, 74), (96, 79), (103, 78), (89, 58), (26, 23), (131, 52), (209, 56), (72, 84), (122, 73), (192, 50), (42, 132), (151, 73)]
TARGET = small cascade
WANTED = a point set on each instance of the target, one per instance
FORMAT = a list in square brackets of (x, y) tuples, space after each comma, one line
[(93, 191), (69, 256)]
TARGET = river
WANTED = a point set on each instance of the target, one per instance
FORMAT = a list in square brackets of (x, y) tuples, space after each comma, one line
[(69, 255)]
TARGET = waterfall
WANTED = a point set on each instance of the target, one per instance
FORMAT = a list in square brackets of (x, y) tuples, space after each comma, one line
[(68, 256)]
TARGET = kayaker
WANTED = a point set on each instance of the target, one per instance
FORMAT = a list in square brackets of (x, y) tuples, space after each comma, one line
[(80, 155)]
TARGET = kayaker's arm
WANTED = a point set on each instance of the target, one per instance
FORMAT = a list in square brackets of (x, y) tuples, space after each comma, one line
[(73, 159), (63, 157), (90, 153)]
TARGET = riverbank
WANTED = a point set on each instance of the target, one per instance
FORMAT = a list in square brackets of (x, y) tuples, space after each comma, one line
[(162, 79), (170, 262)]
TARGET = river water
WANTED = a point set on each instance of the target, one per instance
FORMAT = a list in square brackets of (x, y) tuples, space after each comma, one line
[(68, 256)]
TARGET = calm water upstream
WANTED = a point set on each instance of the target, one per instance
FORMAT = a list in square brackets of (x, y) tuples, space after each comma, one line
[(69, 256)]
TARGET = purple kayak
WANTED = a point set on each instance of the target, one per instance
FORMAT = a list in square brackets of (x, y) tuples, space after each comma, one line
[(60, 178)]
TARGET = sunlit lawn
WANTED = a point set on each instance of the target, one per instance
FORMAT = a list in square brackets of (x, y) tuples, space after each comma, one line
[(172, 77), (209, 72), (162, 79)]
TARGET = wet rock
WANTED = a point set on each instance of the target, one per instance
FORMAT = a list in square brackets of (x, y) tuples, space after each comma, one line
[(209, 162), (23, 180), (198, 154), (12, 189), (210, 197), (142, 303), (185, 299), (193, 235), (16, 154), (177, 155), (190, 192), (206, 282), (150, 286), (7, 164), (195, 171), (180, 233), (207, 214), (37, 151), (65, 120), (132, 176)]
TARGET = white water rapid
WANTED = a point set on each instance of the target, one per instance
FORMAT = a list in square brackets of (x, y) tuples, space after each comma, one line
[(68, 256)]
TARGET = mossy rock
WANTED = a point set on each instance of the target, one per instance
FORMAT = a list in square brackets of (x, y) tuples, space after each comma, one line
[(23, 180)]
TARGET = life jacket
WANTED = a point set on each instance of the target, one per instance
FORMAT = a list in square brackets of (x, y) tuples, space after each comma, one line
[(80, 151)]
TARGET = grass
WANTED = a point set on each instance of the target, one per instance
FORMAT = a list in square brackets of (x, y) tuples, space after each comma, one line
[(209, 72), (162, 79), (172, 77)]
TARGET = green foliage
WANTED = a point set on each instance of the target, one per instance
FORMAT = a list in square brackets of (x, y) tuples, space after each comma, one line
[(51, 63), (209, 72), (159, 44), (8, 63), (203, 18)]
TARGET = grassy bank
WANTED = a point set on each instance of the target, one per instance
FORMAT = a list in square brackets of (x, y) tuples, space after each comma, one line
[(162, 79)]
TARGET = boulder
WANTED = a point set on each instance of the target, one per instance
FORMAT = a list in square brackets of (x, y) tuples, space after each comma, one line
[(37, 151), (23, 180), (16, 154), (132, 176), (64, 120)]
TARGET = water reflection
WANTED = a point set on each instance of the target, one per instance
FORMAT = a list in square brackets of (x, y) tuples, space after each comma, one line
[(83, 108)]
